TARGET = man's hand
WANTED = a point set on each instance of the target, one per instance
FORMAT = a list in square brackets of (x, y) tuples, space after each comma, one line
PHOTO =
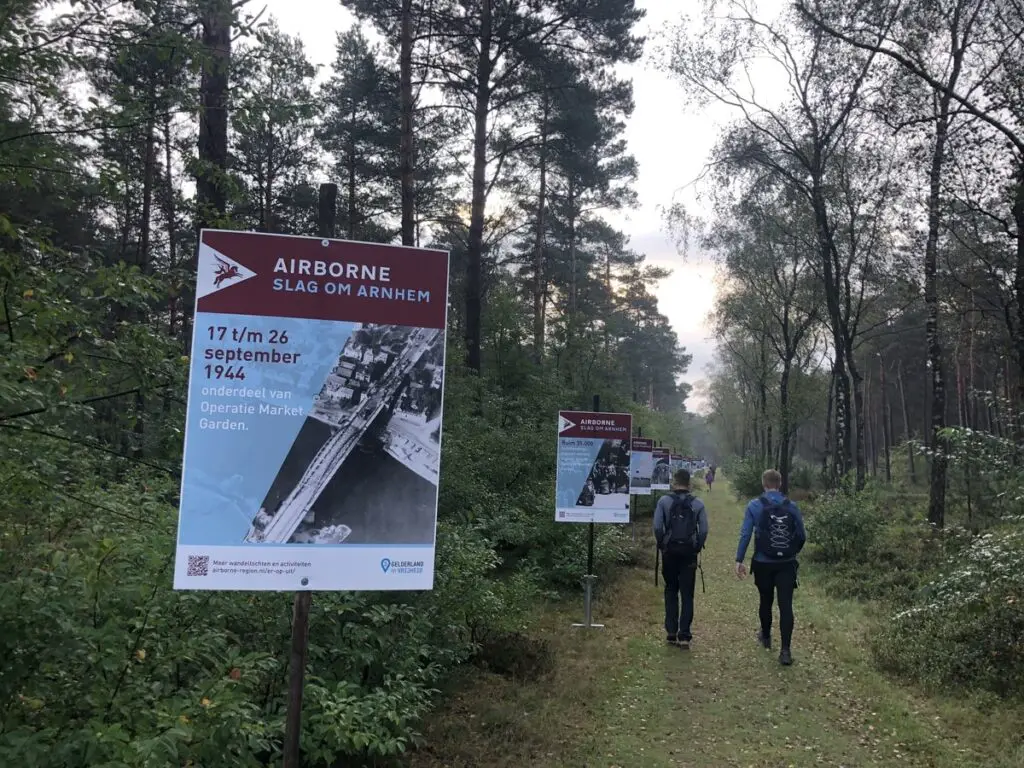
[(741, 571)]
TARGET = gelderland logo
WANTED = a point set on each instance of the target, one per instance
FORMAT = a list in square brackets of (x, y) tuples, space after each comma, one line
[(385, 564), (225, 272)]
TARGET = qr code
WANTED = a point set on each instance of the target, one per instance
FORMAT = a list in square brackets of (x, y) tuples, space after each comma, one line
[(198, 565)]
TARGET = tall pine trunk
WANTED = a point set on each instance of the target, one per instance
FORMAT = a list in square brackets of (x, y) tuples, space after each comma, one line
[(937, 479), (406, 108), (211, 187), (828, 469), (886, 420), (842, 452), (1018, 288), (539, 271), (859, 417), (171, 216), (784, 427), (911, 461), (475, 244)]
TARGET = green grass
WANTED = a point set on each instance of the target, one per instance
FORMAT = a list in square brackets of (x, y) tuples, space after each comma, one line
[(621, 697)]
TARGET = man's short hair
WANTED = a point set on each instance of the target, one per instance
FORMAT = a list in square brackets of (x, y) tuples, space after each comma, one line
[(771, 479), (681, 478)]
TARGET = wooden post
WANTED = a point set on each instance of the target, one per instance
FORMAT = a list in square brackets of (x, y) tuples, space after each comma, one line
[(296, 678), (326, 217)]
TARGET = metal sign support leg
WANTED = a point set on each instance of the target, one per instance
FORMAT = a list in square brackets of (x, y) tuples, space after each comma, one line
[(588, 586)]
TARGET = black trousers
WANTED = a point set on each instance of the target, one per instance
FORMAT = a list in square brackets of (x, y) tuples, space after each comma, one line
[(772, 579), (680, 573)]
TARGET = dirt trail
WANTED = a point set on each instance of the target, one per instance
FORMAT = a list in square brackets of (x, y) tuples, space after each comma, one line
[(621, 697)]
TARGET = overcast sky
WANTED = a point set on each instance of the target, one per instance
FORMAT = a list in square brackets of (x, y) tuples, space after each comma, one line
[(671, 144)]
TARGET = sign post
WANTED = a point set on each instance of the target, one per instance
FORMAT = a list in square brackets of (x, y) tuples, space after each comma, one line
[(315, 396), (592, 479)]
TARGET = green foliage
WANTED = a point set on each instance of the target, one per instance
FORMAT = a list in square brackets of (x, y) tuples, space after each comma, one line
[(964, 629), (986, 475), (102, 662), (803, 476), (960, 621), (745, 476), (845, 526)]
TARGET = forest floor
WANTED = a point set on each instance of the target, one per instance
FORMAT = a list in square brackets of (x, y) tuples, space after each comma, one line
[(620, 696)]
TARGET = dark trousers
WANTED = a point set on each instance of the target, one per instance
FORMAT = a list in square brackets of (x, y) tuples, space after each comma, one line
[(772, 578), (680, 574)]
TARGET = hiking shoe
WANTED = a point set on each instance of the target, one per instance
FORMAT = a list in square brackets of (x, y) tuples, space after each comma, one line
[(764, 640), (684, 644), (785, 658), (670, 639)]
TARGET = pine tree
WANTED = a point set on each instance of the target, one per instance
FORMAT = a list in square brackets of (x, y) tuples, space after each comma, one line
[(272, 154)]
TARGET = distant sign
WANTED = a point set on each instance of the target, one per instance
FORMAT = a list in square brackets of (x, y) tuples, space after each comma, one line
[(313, 434), (661, 477), (675, 462), (641, 466), (592, 478)]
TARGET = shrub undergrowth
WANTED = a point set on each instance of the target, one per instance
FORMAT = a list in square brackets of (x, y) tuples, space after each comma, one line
[(950, 601), (102, 663)]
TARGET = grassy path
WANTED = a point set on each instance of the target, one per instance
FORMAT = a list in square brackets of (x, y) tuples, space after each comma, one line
[(622, 697)]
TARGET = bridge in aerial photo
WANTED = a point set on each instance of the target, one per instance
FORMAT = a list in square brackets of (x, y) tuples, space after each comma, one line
[(406, 439)]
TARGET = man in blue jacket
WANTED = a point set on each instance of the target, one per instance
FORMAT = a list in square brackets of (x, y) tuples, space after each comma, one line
[(681, 530), (777, 526)]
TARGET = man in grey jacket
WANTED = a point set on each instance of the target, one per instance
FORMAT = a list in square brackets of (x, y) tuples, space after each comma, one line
[(681, 530)]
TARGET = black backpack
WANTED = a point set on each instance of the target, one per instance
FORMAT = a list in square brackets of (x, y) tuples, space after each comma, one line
[(682, 534), (776, 536)]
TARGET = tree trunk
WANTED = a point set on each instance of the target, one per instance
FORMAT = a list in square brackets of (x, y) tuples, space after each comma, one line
[(1018, 289), (475, 244), (211, 187), (148, 184), (574, 277), (886, 420), (827, 475), (859, 417), (539, 281), (143, 256), (937, 482), (406, 107), (171, 216), (826, 249), (784, 428), (869, 424), (911, 461), (352, 212)]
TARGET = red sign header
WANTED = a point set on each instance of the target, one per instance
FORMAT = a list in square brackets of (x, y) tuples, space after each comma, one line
[(643, 445), (606, 426), (250, 273), (660, 453)]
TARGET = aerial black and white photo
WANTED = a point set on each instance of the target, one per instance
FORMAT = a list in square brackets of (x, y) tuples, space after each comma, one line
[(364, 467)]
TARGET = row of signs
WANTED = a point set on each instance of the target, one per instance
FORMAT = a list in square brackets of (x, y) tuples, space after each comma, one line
[(600, 465), (313, 432)]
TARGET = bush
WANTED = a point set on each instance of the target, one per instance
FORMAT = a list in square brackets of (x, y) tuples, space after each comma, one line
[(844, 526), (803, 476), (745, 477), (966, 628)]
